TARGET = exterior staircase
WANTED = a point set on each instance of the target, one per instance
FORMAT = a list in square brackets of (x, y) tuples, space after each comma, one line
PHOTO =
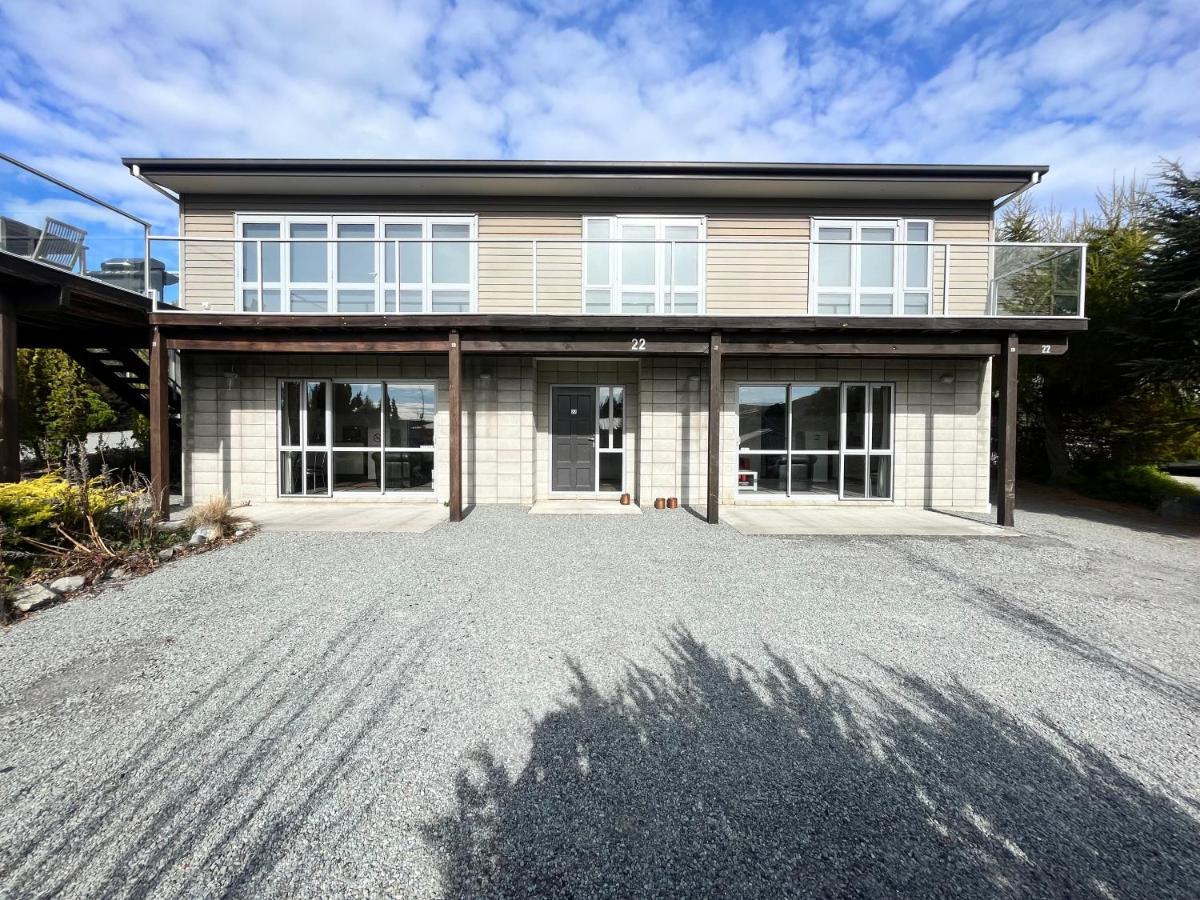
[(127, 374)]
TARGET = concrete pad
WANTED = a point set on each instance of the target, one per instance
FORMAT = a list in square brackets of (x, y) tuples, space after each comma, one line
[(894, 521), (387, 517), (583, 508)]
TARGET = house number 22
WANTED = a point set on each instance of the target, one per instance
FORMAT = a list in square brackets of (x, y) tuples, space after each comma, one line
[(637, 343)]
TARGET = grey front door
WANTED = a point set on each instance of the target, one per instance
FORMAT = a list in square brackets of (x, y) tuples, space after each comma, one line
[(573, 439)]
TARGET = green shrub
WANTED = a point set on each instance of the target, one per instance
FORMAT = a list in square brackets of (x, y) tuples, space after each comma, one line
[(32, 508), (1142, 485)]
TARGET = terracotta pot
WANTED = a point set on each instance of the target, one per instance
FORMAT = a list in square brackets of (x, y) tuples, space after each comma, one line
[(672, 503), (660, 503), (624, 499)]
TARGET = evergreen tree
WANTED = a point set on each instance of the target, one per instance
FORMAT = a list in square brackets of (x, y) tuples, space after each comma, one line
[(58, 406)]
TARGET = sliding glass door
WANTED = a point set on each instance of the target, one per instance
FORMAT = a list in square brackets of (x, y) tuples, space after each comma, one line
[(815, 439)]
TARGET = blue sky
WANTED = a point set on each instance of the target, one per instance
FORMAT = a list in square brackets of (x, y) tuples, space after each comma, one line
[(1097, 90)]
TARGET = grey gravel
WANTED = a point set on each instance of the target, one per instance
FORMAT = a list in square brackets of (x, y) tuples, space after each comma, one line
[(617, 706)]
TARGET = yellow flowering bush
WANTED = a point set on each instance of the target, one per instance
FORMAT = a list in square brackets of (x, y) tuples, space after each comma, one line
[(31, 508)]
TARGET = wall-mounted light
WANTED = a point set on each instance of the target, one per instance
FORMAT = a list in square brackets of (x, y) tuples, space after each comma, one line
[(231, 377), (947, 379), (486, 380), (693, 382)]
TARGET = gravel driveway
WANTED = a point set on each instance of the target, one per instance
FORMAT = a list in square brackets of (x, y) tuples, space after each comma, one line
[(617, 706)]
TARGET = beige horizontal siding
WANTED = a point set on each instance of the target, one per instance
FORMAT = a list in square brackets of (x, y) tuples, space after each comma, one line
[(745, 279)]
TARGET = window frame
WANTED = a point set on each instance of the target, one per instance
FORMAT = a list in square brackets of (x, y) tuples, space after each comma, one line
[(855, 289), (331, 284), (331, 449), (664, 297), (840, 453)]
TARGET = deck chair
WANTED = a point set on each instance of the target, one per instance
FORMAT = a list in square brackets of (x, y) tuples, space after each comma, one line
[(60, 244)]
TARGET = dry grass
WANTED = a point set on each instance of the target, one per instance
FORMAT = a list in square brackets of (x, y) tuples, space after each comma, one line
[(216, 510)]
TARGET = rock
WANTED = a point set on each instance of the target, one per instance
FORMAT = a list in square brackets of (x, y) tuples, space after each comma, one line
[(171, 525), (204, 534), (168, 552), (118, 572), (240, 532), (67, 584), (33, 596)]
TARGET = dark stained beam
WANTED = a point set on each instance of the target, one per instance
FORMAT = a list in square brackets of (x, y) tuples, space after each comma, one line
[(10, 445), (714, 427), (283, 343), (1006, 473), (834, 347), (160, 433), (455, 359), (1056, 346), (648, 345)]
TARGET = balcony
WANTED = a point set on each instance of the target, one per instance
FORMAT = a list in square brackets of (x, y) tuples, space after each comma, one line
[(67, 230), (454, 274)]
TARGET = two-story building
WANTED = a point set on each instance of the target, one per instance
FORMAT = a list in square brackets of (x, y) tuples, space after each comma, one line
[(473, 332)]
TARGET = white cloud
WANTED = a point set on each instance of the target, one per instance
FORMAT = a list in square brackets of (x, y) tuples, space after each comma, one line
[(1092, 90)]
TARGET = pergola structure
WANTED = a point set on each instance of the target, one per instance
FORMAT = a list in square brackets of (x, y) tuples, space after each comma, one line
[(714, 338)]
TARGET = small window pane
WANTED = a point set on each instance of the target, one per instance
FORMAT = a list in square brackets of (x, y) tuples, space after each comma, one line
[(916, 259), (854, 477), (309, 261), (814, 473), (833, 304), (356, 472), (605, 416), (878, 267), (250, 301), (317, 478), (875, 304), (451, 262), (916, 304), (881, 477), (881, 417), (356, 301), (764, 473), (618, 417), (834, 233), (270, 252), (356, 261), (597, 301), (637, 302), (356, 414), (271, 301), (599, 256), (610, 471), (685, 265), (291, 475), (408, 471), (451, 301), (687, 304), (410, 253), (637, 260), (310, 301), (409, 415), (814, 417), (833, 265), (762, 417), (289, 415), (316, 413), (856, 416)]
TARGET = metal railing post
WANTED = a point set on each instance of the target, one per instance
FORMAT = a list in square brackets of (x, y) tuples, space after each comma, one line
[(146, 261), (535, 274), (398, 280), (946, 280), (262, 297), (671, 275), (1082, 279)]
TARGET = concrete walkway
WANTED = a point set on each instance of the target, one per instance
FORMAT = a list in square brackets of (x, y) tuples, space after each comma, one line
[(361, 517), (823, 520)]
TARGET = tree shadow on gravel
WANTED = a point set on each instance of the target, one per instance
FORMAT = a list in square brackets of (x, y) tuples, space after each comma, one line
[(719, 778)]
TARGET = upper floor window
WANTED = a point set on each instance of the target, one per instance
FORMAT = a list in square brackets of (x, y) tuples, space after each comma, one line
[(407, 264), (664, 275), (857, 278)]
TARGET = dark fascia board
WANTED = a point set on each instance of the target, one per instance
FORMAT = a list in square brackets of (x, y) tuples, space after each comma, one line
[(150, 166)]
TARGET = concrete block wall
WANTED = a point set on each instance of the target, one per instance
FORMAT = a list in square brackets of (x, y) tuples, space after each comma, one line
[(674, 430), (230, 416), (499, 437)]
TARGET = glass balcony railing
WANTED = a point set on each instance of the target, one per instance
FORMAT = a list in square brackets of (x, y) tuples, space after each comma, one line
[(453, 275), (60, 226)]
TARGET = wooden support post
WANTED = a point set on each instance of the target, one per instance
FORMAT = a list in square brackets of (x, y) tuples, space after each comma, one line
[(1006, 473), (714, 427), (160, 431), (455, 357), (10, 444)]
